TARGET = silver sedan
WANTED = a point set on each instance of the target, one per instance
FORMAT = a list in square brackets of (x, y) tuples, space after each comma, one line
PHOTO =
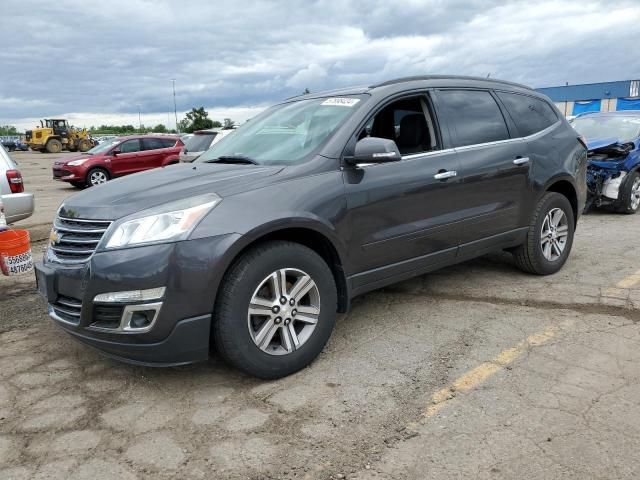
[(18, 204)]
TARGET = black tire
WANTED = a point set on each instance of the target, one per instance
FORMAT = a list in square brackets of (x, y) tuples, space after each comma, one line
[(529, 256), (625, 204), (230, 330), (90, 180), (84, 145), (54, 146)]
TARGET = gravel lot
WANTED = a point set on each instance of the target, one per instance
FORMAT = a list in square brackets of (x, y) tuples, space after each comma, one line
[(475, 371)]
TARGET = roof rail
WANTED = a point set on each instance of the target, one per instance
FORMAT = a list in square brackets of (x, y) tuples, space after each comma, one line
[(446, 77)]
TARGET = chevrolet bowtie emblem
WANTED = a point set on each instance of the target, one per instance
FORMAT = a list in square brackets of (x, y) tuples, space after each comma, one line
[(54, 237)]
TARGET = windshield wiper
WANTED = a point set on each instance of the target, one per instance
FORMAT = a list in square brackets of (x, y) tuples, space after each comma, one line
[(233, 159)]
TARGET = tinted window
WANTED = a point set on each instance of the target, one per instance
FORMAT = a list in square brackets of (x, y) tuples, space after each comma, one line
[(152, 143), (474, 116), (530, 114), (168, 142), (130, 146), (199, 142)]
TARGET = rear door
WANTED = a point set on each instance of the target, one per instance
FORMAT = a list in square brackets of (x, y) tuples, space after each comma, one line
[(127, 161), (494, 167), (152, 154)]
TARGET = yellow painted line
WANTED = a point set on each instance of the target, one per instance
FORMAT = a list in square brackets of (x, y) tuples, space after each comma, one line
[(482, 372), (629, 281)]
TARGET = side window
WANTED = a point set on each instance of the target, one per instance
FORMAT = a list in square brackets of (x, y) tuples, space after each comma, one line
[(130, 146), (474, 116), (530, 114), (168, 142), (408, 122), (152, 144)]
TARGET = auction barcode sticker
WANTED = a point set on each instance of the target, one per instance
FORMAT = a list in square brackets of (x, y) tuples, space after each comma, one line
[(341, 101), (17, 264)]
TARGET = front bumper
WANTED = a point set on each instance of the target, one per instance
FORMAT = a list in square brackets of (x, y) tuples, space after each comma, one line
[(191, 272), (67, 174)]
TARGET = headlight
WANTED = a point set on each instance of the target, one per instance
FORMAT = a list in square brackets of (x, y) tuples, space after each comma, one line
[(169, 222), (78, 162)]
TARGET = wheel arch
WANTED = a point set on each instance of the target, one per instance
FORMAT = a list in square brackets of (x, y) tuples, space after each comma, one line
[(566, 188), (312, 237)]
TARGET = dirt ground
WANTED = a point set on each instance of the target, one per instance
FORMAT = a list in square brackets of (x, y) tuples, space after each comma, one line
[(475, 371)]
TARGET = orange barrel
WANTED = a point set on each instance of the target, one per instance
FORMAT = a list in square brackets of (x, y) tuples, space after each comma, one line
[(15, 252)]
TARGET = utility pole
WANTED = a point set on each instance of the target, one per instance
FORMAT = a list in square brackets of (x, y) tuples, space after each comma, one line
[(175, 109), (139, 118)]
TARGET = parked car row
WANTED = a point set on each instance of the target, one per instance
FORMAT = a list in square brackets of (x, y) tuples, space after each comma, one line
[(253, 249)]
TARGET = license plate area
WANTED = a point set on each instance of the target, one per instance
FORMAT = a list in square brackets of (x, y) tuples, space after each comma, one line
[(45, 281)]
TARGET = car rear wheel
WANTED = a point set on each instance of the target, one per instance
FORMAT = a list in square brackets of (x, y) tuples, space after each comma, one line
[(54, 146), (630, 194), (275, 310), (549, 238), (97, 176)]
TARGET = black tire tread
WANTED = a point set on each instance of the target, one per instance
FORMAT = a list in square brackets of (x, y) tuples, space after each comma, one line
[(524, 256), (624, 206), (224, 302)]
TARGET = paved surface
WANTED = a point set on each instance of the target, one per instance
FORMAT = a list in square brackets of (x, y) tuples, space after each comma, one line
[(476, 371)]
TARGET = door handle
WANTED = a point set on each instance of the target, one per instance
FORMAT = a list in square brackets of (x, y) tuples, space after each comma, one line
[(443, 175), (521, 160)]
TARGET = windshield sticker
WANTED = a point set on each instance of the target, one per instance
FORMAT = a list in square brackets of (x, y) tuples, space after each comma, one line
[(341, 101)]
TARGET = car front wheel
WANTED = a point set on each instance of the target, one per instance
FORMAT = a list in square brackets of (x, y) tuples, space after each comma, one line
[(549, 238), (97, 176), (630, 194), (275, 311)]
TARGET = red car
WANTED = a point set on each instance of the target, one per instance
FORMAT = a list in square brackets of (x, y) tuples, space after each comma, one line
[(118, 157)]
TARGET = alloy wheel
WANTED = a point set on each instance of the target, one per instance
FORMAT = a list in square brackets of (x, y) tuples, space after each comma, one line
[(96, 178), (635, 194), (554, 234), (283, 311)]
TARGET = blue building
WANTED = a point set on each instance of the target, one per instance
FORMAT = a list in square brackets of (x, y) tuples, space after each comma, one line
[(595, 97)]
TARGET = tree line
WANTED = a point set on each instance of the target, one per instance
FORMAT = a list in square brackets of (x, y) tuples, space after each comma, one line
[(196, 119)]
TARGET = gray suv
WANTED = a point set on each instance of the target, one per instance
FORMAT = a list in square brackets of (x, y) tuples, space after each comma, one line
[(252, 250)]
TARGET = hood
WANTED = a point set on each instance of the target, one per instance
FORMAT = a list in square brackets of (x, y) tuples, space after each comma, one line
[(75, 157), (133, 193), (596, 143)]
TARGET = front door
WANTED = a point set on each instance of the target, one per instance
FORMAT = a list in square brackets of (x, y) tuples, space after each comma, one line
[(494, 167), (402, 214), (127, 160)]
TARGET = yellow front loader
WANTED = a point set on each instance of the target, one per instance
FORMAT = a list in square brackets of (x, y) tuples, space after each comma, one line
[(55, 135)]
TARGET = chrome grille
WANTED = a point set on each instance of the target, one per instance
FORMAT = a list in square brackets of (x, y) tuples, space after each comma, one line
[(76, 239), (67, 309)]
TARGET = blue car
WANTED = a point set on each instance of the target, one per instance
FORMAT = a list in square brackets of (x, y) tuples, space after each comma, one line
[(613, 173)]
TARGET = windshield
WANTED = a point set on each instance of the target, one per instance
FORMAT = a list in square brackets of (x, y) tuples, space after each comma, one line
[(287, 133), (624, 128), (103, 147), (199, 142)]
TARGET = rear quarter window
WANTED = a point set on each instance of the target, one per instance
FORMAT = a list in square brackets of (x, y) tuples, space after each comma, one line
[(168, 142), (530, 114), (473, 116)]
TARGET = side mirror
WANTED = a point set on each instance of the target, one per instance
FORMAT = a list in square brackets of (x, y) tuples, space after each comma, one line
[(375, 150), (115, 151)]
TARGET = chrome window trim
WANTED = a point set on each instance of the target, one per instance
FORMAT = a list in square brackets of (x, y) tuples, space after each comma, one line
[(414, 156)]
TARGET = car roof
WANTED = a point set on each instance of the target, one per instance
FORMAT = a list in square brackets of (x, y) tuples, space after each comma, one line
[(423, 81)]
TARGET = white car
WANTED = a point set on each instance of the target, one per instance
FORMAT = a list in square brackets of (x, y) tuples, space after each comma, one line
[(18, 204), (201, 141)]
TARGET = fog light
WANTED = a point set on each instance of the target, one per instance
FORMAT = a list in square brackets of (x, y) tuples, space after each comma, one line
[(142, 319), (131, 296)]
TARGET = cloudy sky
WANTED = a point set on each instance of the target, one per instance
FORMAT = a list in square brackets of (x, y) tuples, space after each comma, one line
[(100, 62)]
